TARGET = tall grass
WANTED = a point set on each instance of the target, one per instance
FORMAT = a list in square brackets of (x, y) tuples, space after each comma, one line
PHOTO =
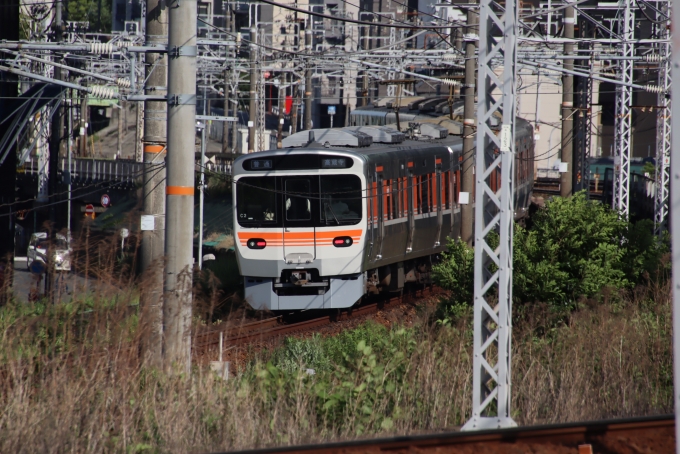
[(71, 378)]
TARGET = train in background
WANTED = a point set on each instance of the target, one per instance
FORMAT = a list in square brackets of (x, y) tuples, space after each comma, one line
[(340, 213)]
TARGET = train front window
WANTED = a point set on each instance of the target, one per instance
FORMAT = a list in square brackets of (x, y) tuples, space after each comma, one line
[(298, 202), (340, 199), (256, 201)]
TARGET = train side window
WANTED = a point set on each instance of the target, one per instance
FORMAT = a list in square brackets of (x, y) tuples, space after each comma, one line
[(405, 192), (381, 203), (438, 192), (425, 193), (374, 199), (435, 194), (388, 200), (447, 190), (395, 198), (416, 196)]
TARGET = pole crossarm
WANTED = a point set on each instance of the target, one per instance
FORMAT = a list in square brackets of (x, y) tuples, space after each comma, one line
[(494, 212)]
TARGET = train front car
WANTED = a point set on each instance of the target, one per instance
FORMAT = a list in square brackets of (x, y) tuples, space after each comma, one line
[(300, 228)]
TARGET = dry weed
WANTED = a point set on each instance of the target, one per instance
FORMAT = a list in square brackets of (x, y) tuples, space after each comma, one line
[(71, 379)]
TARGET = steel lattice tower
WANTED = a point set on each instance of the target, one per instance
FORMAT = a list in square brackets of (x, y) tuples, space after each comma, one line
[(494, 212), (663, 132), (624, 101)]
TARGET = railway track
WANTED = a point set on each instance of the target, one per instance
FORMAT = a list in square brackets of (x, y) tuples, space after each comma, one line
[(653, 435), (285, 325)]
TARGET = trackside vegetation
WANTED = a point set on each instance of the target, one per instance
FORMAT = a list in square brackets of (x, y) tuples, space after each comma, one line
[(71, 377), (576, 249)]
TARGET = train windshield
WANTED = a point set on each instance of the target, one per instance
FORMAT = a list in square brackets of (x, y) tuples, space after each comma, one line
[(340, 199), (256, 201), (299, 201)]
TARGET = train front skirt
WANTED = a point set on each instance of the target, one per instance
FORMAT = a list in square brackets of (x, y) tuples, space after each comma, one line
[(334, 293)]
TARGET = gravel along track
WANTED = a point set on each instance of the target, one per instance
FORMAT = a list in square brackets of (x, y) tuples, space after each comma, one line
[(649, 435)]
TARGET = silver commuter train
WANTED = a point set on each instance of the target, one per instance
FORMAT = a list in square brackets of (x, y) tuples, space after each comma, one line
[(338, 215)]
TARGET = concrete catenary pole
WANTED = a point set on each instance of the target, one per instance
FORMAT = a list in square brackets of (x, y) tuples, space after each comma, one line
[(467, 166), (252, 108), (308, 79), (179, 214), (675, 221), (567, 106), (9, 30), (56, 128), (155, 141)]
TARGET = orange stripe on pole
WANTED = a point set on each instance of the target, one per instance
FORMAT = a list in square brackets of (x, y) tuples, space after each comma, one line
[(153, 148), (179, 190)]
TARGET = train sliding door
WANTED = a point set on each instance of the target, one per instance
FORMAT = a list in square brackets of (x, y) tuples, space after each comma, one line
[(377, 215), (300, 212)]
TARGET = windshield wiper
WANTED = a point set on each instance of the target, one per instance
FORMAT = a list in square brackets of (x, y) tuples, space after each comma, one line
[(334, 217)]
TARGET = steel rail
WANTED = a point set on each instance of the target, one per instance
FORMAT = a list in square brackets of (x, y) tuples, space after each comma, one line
[(602, 436), (277, 326)]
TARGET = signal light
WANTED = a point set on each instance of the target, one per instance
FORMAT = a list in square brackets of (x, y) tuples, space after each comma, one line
[(342, 241), (256, 243)]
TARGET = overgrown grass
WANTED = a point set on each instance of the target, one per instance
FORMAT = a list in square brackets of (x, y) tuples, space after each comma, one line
[(73, 382), (72, 377)]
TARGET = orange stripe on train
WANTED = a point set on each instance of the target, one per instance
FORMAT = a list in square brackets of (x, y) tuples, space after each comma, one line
[(299, 235)]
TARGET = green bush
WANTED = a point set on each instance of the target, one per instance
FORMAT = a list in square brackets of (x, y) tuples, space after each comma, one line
[(455, 273), (355, 372), (575, 248)]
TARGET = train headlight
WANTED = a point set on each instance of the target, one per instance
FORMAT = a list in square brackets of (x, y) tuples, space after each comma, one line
[(342, 241), (256, 243)]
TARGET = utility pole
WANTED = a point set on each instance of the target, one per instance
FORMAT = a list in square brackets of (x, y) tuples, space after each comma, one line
[(364, 77), (179, 226), (9, 30), (282, 107), (467, 171), (83, 124), (252, 110), (69, 152), (296, 105), (308, 79), (225, 124), (566, 181), (674, 197), (56, 129), (234, 124), (234, 94), (155, 142), (119, 148)]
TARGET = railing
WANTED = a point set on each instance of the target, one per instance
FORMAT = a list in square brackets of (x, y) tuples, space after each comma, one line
[(89, 170)]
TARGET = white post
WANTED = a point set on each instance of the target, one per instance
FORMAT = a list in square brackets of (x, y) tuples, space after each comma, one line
[(68, 157), (221, 344), (200, 198)]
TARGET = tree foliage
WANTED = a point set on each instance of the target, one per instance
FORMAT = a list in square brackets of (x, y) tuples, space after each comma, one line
[(575, 248), (90, 10)]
